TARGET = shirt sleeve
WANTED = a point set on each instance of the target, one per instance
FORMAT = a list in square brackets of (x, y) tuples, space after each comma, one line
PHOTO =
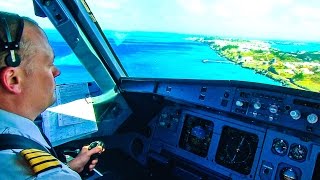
[(16, 167), (63, 172)]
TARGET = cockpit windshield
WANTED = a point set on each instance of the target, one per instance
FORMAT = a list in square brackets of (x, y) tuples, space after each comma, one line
[(273, 42)]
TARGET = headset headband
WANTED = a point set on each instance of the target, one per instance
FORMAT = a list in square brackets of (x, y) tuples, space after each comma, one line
[(9, 44)]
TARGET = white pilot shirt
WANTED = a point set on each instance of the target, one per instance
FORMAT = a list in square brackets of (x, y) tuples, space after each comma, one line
[(13, 165)]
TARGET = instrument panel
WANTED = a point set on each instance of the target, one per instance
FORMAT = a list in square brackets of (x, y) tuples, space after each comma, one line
[(234, 149), (219, 144), (235, 130), (278, 109), (196, 135), (237, 149), (269, 105)]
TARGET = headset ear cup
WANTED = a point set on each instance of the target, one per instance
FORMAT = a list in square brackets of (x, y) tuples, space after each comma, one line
[(10, 62)]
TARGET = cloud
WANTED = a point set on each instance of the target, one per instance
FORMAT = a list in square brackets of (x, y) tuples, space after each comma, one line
[(293, 18), (194, 7), (106, 5), (24, 8), (285, 2), (7, 5), (307, 13), (241, 9)]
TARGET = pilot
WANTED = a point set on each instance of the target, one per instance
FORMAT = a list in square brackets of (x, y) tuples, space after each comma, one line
[(26, 89)]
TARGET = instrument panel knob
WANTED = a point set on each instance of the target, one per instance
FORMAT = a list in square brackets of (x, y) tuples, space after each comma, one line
[(257, 105), (288, 173), (273, 109), (312, 118), (295, 114), (239, 103)]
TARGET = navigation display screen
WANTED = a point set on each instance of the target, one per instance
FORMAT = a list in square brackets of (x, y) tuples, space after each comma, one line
[(196, 135)]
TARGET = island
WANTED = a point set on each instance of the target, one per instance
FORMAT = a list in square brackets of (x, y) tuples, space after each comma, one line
[(300, 69)]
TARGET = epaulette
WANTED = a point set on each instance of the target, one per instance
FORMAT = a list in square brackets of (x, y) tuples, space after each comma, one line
[(39, 160)]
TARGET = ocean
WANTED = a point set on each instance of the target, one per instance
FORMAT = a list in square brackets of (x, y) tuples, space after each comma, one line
[(156, 55), (287, 46)]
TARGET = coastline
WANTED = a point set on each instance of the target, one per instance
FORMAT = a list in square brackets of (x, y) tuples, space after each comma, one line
[(262, 72), (299, 70)]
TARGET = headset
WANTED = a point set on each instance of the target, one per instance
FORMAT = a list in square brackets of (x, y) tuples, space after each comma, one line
[(12, 59)]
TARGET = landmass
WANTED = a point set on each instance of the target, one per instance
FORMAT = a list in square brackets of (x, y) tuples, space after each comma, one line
[(300, 69)]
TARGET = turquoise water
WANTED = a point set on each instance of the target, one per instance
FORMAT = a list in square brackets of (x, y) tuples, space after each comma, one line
[(168, 55), (296, 46), (157, 55)]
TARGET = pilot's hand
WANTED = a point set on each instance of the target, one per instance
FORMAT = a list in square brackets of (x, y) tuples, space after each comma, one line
[(78, 163)]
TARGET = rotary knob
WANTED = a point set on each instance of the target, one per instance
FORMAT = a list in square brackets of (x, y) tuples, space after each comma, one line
[(239, 103), (312, 118), (288, 173), (257, 105), (280, 146), (295, 114), (273, 109)]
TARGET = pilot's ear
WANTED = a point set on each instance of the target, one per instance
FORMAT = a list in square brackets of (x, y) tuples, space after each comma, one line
[(10, 80)]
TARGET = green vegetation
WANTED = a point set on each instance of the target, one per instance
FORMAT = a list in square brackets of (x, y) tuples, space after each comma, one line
[(297, 77), (295, 69), (229, 47)]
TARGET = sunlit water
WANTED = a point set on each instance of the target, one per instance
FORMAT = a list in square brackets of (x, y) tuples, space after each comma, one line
[(159, 55)]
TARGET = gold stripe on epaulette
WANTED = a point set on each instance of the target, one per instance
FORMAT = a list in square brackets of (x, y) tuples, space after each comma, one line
[(46, 166), (36, 154), (28, 151), (40, 161)]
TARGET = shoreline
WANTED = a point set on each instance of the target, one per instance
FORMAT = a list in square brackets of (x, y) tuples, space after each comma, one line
[(261, 72), (290, 69)]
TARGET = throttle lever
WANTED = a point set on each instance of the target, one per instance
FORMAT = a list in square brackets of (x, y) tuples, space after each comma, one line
[(86, 172)]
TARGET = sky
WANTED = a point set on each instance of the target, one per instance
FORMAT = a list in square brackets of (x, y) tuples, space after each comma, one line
[(269, 19)]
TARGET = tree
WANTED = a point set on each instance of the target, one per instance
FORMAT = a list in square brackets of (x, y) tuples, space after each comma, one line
[(297, 77), (229, 47), (272, 69)]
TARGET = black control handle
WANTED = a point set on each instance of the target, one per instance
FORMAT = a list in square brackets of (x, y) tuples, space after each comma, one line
[(86, 172)]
